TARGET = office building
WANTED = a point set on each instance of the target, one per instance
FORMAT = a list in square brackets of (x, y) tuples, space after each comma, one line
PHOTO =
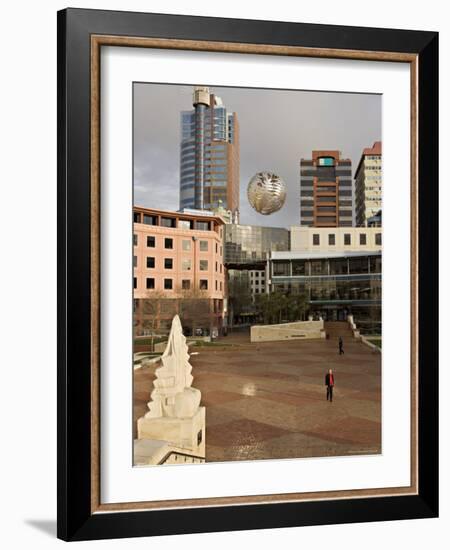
[(368, 185), (209, 156), (178, 268), (326, 194), (246, 249), (335, 284)]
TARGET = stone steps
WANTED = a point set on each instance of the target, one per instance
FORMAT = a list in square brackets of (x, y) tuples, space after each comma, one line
[(334, 329)]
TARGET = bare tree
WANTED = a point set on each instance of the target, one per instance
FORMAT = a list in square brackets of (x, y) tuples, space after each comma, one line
[(152, 313), (194, 308)]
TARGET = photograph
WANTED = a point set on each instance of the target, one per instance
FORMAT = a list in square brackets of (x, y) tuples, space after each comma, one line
[(256, 240)]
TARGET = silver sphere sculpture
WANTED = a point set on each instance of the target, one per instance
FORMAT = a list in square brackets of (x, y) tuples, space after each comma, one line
[(266, 193)]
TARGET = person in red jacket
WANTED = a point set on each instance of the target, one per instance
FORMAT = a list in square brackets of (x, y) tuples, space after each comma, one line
[(329, 383)]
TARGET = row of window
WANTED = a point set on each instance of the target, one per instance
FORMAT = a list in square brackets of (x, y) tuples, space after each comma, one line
[(331, 266), (163, 221), (168, 244), (186, 264), (185, 284), (347, 239)]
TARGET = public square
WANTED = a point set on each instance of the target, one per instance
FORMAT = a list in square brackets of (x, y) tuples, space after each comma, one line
[(268, 400)]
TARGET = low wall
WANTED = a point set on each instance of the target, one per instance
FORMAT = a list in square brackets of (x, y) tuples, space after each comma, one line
[(368, 343), (300, 330)]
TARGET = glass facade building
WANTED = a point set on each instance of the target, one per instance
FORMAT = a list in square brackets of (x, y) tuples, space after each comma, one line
[(245, 245), (335, 285), (209, 156), (246, 250)]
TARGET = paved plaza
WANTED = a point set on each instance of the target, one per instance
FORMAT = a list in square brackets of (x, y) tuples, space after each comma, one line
[(268, 400)]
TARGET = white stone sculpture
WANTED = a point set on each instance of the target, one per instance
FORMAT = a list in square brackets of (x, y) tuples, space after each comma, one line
[(175, 416), (173, 395)]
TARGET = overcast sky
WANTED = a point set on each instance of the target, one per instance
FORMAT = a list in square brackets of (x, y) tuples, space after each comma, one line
[(277, 129)]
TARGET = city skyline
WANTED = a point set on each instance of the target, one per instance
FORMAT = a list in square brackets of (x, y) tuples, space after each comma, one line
[(278, 126)]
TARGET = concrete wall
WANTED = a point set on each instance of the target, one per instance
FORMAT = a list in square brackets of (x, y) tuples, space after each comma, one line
[(302, 239), (300, 330)]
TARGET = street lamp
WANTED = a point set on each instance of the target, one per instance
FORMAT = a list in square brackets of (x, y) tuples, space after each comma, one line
[(194, 240)]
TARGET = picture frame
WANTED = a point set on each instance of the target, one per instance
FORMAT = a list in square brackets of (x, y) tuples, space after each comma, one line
[(81, 35)]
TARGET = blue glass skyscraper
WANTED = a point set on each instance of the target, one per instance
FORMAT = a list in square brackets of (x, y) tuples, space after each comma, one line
[(209, 156)]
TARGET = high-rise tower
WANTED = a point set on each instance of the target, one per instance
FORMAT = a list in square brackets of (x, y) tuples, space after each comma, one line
[(326, 195), (368, 185), (209, 157)]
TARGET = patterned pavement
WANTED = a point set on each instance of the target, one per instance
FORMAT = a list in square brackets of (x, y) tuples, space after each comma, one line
[(268, 400)]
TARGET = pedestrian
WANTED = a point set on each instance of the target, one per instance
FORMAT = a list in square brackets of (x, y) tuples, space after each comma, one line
[(329, 383), (341, 345)]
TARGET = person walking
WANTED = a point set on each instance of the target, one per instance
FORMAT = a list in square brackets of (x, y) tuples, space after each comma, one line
[(329, 383), (341, 345)]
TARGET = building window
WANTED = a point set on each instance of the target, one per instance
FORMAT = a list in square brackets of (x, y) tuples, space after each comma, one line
[(203, 265), (217, 247), (150, 220), (203, 246), (168, 243), (186, 284), (298, 267), (168, 284), (316, 239), (375, 264), (202, 226), (203, 284), (358, 265), (151, 241), (331, 239), (378, 239), (221, 286), (150, 283), (347, 239), (135, 240), (150, 262), (185, 224), (362, 239), (168, 222), (134, 282), (216, 285), (186, 264), (338, 266), (168, 263), (186, 245), (136, 217), (319, 267), (281, 268), (134, 261)]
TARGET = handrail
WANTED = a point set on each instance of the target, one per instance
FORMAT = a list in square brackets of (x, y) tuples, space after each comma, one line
[(172, 452)]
